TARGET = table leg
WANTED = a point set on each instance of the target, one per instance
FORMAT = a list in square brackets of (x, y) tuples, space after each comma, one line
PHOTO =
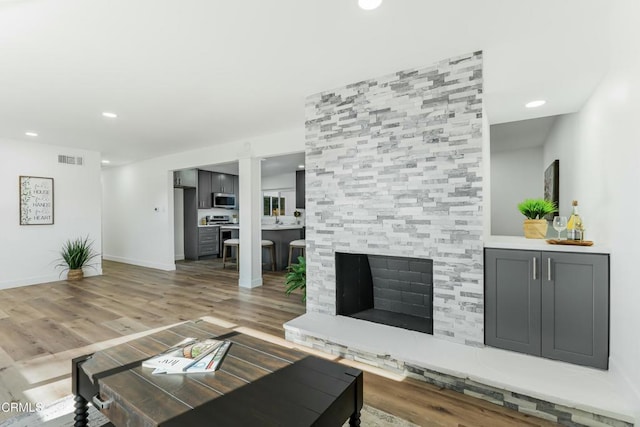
[(81, 412), (83, 389), (354, 420)]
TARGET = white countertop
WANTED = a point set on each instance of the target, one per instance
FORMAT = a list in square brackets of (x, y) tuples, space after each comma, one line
[(209, 225), (517, 242), (267, 227)]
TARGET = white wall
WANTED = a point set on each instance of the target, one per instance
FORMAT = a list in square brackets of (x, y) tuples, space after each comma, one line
[(599, 152), (28, 254), (515, 175), (178, 223), (134, 232), (279, 182)]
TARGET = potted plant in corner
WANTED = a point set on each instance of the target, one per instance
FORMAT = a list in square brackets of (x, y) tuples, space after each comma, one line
[(75, 255), (296, 278), (535, 226)]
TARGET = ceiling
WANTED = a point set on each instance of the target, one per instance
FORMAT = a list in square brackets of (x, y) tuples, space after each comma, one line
[(182, 74), (521, 134)]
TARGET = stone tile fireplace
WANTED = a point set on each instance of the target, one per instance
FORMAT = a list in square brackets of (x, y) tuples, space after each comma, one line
[(394, 167), (394, 291)]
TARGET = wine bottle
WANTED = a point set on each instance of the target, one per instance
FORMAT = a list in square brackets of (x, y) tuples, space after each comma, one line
[(575, 227)]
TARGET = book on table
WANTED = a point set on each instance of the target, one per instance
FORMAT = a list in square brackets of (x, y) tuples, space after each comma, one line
[(190, 356)]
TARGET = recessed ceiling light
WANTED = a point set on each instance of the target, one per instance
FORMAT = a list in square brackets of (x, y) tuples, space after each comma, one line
[(110, 115), (369, 4), (263, 160), (534, 104), (105, 162), (300, 166), (31, 134)]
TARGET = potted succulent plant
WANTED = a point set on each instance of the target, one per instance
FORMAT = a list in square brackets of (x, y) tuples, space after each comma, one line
[(535, 226), (296, 278), (75, 255), (297, 214)]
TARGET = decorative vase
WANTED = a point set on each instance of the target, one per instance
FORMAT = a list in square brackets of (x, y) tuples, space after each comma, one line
[(75, 274), (535, 228)]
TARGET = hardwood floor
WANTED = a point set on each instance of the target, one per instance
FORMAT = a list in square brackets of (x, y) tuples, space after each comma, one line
[(43, 326)]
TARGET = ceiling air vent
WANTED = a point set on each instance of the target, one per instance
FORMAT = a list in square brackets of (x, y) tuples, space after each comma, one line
[(69, 160)]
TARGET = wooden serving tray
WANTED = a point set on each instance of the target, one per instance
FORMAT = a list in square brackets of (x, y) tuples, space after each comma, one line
[(571, 242)]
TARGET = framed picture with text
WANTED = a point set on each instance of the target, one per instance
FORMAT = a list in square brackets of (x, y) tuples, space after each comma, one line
[(36, 200)]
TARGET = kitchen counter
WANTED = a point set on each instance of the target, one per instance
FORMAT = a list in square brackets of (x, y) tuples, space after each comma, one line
[(517, 242), (208, 225), (268, 227), (281, 236)]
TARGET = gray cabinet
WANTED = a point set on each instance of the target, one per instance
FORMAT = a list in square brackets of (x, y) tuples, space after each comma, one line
[(512, 299), (185, 178), (300, 189), (575, 308), (204, 190), (236, 189), (208, 241), (222, 183), (214, 182), (550, 304)]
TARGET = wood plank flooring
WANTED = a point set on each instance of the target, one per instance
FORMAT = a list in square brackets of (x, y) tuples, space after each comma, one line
[(43, 326)]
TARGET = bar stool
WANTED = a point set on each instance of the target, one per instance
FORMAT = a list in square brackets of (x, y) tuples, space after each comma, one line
[(230, 244), (297, 244), (272, 251)]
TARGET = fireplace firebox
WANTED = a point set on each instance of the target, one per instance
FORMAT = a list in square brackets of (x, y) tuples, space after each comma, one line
[(395, 291)]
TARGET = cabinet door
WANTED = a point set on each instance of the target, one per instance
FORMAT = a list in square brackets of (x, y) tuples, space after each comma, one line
[(188, 178), (512, 300), (204, 189), (226, 183), (300, 189), (215, 182), (575, 308), (236, 190)]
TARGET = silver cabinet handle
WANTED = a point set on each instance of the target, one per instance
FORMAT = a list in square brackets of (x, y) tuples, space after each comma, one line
[(549, 269), (535, 267)]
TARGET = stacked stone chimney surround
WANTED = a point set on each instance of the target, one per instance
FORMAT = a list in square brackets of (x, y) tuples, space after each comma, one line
[(394, 167)]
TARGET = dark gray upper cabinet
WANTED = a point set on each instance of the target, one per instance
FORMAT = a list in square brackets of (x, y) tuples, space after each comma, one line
[(512, 298), (204, 189), (222, 183), (236, 189), (300, 189), (550, 304), (185, 178), (575, 308)]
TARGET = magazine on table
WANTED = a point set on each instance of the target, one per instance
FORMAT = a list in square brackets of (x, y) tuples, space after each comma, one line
[(190, 356)]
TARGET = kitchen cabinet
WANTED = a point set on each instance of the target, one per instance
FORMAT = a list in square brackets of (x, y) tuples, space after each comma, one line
[(208, 241), (549, 304), (300, 189), (236, 189), (204, 189), (222, 183), (185, 178)]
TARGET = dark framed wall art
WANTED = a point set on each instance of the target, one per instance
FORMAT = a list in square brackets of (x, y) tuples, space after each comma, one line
[(552, 185), (36, 200)]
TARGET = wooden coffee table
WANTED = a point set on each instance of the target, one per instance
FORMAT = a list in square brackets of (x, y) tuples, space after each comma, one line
[(259, 384)]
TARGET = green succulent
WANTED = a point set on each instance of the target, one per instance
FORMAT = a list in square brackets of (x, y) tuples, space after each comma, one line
[(296, 278), (537, 208)]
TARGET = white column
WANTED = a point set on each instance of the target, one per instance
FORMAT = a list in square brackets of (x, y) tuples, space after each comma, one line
[(250, 223)]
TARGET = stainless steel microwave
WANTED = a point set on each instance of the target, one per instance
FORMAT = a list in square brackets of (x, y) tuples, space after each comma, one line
[(222, 200)]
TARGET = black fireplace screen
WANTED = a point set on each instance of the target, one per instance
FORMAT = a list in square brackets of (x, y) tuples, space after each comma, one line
[(395, 291)]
